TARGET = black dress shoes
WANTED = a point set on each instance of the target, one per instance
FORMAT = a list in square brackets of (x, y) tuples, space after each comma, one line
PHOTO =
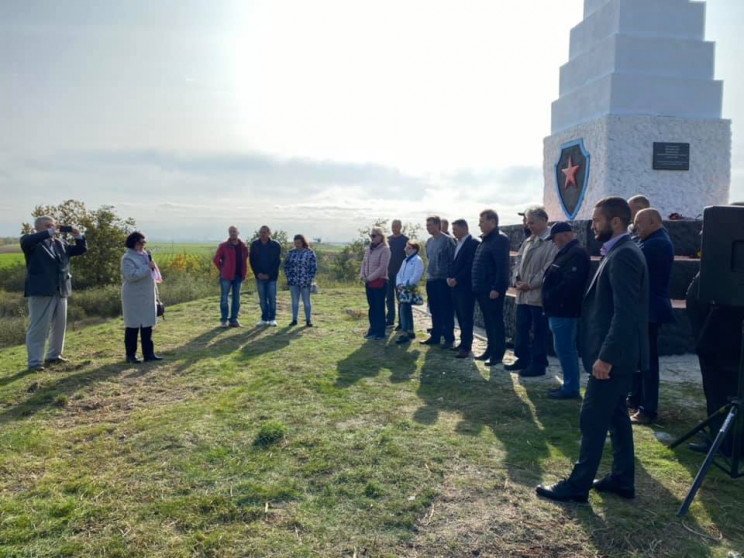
[(133, 360), (561, 492), (462, 353), (484, 356), (609, 484), (153, 357), (430, 341), (516, 365), (530, 372)]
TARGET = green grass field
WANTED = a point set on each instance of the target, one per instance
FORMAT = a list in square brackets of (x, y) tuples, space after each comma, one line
[(312, 442)]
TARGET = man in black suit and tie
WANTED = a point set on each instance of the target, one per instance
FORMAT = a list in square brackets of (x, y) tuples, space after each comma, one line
[(460, 282), (47, 288), (613, 340)]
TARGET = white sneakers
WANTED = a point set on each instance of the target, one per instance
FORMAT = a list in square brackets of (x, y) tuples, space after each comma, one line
[(223, 323), (272, 323), (260, 323)]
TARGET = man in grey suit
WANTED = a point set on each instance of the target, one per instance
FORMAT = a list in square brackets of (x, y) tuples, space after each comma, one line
[(613, 342), (47, 288)]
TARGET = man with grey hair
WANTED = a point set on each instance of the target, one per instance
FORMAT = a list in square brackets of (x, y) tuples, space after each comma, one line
[(535, 256), (47, 288), (637, 203)]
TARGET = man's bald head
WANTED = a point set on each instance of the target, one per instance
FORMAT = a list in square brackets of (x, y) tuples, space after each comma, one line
[(647, 222)]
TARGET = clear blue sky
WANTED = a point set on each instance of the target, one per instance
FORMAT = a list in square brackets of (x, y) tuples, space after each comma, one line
[(314, 117)]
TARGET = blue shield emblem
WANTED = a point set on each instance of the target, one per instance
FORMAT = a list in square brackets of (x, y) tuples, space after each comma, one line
[(572, 176)]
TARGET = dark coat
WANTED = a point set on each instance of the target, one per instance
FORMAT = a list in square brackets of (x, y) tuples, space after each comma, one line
[(491, 264), (461, 267), (614, 314), (47, 272), (266, 258), (659, 252), (565, 281)]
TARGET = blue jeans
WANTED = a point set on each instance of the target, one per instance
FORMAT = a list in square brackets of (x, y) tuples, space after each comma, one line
[(267, 299), (225, 286), (297, 291), (405, 314), (564, 343), (535, 354)]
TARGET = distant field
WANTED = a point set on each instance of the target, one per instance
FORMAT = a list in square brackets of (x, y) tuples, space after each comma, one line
[(162, 251), (8, 259)]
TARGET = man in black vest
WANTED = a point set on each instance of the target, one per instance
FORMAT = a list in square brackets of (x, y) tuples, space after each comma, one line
[(459, 280), (613, 339), (47, 288)]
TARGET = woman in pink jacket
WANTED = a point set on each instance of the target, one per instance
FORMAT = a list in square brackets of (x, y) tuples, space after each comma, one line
[(374, 275)]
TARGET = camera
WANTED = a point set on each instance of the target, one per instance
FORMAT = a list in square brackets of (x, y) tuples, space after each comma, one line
[(65, 229)]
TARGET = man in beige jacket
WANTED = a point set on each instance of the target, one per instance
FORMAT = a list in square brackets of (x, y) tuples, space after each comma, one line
[(535, 256)]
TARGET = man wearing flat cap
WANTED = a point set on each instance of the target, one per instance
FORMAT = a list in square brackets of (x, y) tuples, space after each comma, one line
[(562, 292), (535, 255)]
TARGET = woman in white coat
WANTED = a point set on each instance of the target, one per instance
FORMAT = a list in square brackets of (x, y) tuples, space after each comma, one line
[(139, 295)]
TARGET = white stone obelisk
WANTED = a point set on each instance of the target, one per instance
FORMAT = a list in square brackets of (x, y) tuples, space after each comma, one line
[(640, 78)]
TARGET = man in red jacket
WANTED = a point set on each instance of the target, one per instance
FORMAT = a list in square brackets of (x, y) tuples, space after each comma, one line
[(230, 259)]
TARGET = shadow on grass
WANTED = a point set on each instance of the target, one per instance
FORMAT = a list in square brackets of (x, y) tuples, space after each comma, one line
[(367, 362), (55, 387), (450, 385)]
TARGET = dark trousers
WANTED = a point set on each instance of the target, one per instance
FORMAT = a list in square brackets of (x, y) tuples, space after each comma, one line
[(376, 302), (464, 303), (535, 353), (493, 322), (130, 341), (442, 312), (645, 392), (720, 383), (604, 409), (391, 300)]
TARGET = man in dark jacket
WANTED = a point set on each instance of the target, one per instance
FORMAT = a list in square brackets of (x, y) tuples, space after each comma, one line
[(613, 339), (562, 293), (490, 276), (265, 257), (47, 288), (230, 259), (460, 281), (658, 250), (717, 331), (397, 244)]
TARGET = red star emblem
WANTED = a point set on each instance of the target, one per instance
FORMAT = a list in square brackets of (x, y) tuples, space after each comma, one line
[(570, 173)]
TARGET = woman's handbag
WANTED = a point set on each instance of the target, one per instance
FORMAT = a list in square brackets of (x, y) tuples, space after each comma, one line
[(160, 308), (409, 296), (376, 284)]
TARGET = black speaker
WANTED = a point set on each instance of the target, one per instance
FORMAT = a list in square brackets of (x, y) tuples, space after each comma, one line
[(722, 266)]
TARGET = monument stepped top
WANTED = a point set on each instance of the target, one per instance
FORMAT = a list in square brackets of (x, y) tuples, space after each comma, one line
[(630, 57)]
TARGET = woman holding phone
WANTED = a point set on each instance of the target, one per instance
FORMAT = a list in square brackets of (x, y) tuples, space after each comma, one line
[(139, 294)]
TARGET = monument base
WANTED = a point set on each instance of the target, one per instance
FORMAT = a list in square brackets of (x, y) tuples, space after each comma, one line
[(621, 150)]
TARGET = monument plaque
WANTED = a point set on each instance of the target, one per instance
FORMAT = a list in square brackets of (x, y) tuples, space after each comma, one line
[(671, 156)]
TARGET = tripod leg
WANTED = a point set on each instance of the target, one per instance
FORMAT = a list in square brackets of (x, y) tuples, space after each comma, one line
[(708, 461), (722, 411)]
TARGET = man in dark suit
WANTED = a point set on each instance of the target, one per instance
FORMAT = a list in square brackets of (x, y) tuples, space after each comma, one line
[(613, 339), (47, 288), (658, 250), (490, 276), (460, 282)]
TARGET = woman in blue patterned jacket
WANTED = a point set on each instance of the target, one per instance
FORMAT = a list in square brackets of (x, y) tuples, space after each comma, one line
[(300, 267)]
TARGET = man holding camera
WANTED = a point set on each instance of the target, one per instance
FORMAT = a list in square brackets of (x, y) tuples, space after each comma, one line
[(47, 288)]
